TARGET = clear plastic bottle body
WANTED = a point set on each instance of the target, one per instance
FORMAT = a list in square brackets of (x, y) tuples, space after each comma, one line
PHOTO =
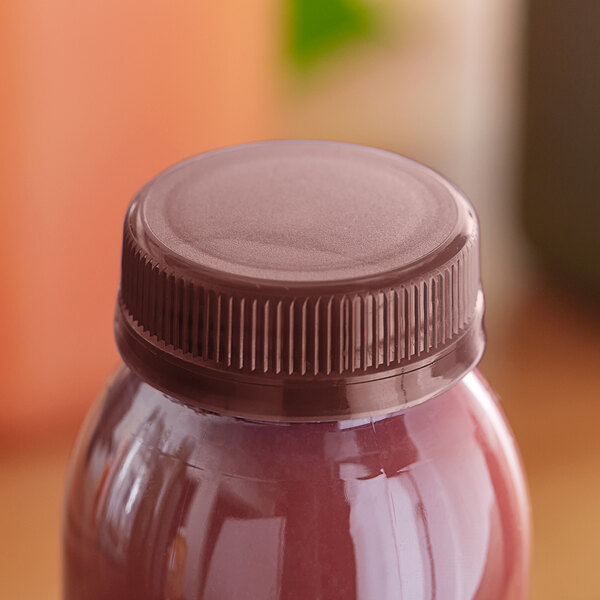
[(167, 501)]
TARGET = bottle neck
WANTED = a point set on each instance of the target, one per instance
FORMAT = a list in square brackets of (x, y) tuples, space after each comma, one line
[(292, 400)]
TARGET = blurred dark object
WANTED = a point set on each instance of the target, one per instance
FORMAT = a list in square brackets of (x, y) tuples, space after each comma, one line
[(561, 174)]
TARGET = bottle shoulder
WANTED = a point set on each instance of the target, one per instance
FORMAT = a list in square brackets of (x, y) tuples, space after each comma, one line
[(131, 409)]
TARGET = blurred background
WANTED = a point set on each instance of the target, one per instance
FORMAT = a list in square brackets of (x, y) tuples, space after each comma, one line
[(501, 96)]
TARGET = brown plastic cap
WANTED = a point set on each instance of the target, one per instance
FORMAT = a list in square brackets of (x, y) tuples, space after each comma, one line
[(293, 262)]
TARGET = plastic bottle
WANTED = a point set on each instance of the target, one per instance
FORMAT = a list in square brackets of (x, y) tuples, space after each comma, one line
[(299, 416)]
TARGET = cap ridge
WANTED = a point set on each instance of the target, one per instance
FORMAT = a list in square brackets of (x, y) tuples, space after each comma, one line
[(263, 333)]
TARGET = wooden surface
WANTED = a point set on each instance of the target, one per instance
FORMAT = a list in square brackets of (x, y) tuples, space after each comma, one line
[(544, 361)]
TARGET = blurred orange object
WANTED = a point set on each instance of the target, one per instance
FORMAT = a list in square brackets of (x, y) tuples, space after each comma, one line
[(98, 98)]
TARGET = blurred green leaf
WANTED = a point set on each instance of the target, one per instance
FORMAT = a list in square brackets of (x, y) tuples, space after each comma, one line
[(317, 28)]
